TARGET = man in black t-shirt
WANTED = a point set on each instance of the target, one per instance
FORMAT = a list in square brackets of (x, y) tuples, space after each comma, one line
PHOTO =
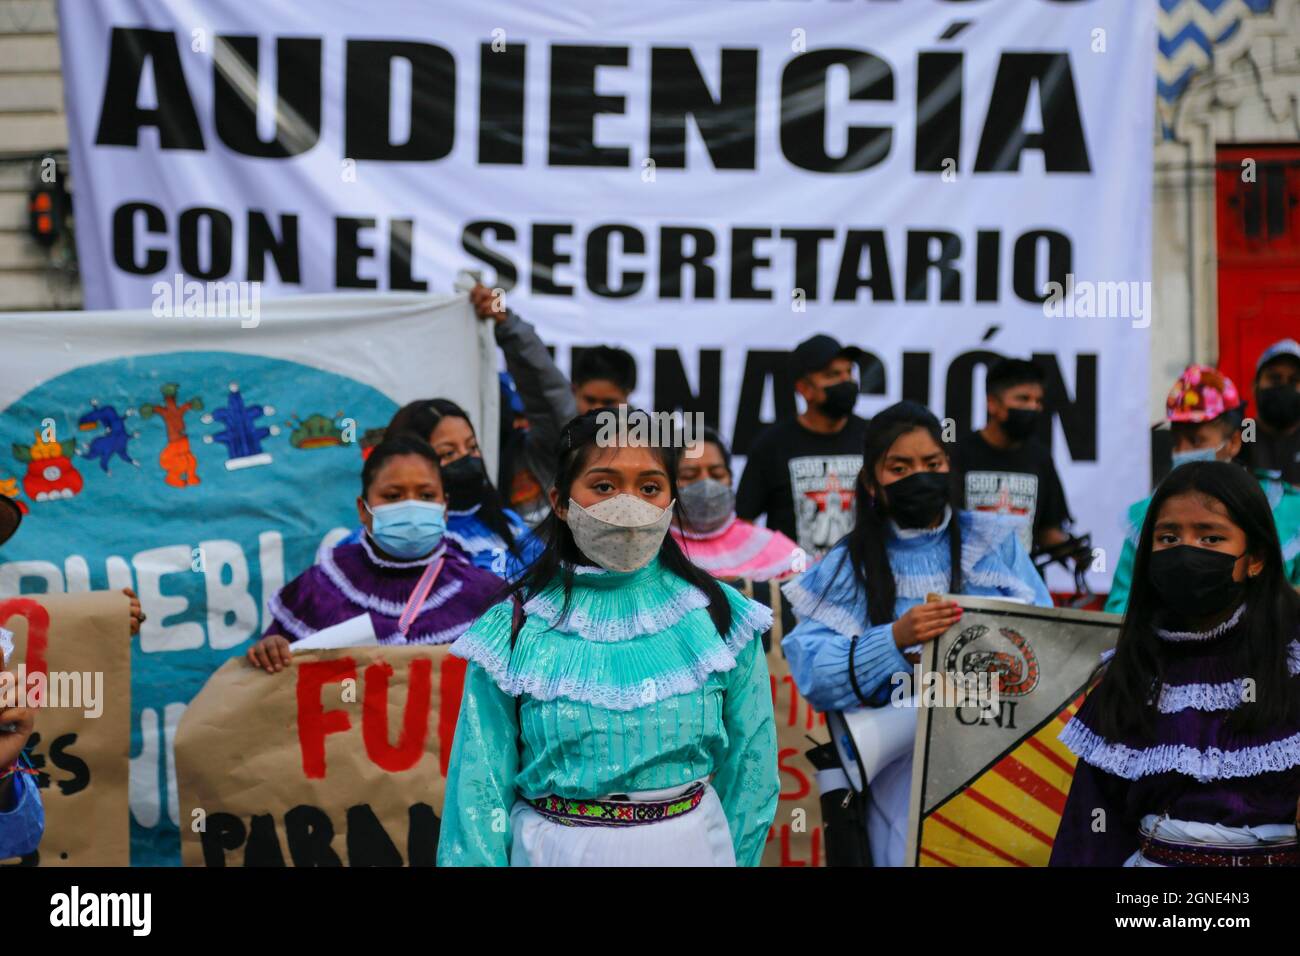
[(801, 471), (1004, 468)]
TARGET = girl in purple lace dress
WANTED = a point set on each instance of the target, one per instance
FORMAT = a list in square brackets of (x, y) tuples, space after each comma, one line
[(416, 587), (1189, 749)]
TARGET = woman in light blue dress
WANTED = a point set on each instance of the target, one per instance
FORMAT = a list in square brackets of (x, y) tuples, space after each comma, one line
[(862, 611)]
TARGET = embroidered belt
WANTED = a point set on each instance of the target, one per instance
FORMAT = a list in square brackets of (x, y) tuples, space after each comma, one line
[(1169, 853), (614, 813)]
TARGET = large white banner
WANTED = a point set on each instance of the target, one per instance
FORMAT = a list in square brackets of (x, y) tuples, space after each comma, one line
[(202, 460), (704, 182)]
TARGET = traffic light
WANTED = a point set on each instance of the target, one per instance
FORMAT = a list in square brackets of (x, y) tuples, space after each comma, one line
[(47, 204)]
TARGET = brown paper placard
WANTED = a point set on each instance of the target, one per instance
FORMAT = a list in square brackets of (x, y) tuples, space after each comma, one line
[(300, 768), (796, 835), (83, 760), (242, 743), (795, 838)]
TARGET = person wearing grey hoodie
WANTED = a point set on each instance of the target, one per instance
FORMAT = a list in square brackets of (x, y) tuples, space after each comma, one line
[(529, 442)]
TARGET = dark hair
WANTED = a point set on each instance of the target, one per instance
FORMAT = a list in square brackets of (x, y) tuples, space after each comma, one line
[(709, 436), (421, 417), (1228, 423), (866, 542), (1130, 689), (604, 362), (577, 446), (394, 448), (418, 419), (1011, 372)]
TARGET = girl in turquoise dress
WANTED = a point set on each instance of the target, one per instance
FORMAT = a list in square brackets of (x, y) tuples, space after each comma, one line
[(617, 708)]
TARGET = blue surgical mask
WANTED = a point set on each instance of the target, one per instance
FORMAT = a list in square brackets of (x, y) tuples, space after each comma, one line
[(1197, 454), (408, 529)]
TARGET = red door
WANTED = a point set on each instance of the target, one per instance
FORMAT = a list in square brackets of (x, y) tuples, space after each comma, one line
[(1259, 255)]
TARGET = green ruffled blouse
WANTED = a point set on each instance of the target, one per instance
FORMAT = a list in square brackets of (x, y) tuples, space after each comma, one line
[(632, 689)]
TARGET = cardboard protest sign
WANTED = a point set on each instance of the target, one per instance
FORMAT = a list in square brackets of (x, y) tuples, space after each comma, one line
[(339, 760), (301, 768), (989, 779), (795, 837), (72, 660)]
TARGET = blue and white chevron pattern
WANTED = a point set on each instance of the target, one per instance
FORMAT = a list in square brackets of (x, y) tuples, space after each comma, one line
[(1189, 31)]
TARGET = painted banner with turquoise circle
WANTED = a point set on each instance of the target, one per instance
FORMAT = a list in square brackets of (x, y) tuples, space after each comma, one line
[(203, 479)]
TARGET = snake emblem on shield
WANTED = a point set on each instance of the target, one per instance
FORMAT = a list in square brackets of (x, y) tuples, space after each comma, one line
[(1011, 659)]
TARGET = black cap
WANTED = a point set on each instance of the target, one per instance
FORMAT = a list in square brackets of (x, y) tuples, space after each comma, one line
[(10, 517), (814, 354)]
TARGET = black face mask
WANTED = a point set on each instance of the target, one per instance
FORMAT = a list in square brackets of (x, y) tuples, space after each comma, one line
[(1279, 406), (918, 500), (465, 481), (1196, 582), (840, 400), (1021, 423)]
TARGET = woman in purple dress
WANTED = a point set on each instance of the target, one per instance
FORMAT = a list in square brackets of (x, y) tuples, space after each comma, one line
[(415, 587), (1189, 748)]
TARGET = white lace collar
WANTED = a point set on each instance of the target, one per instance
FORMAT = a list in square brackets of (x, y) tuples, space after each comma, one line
[(1208, 635)]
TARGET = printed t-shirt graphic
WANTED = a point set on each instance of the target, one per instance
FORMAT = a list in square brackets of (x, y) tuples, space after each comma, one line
[(822, 488), (1005, 493)]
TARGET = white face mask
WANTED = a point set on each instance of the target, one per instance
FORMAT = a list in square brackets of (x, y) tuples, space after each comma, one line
[(622, 533)]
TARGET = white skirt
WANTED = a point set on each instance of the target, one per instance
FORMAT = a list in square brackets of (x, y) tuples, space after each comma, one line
[(698, 838), (1214, 834)]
